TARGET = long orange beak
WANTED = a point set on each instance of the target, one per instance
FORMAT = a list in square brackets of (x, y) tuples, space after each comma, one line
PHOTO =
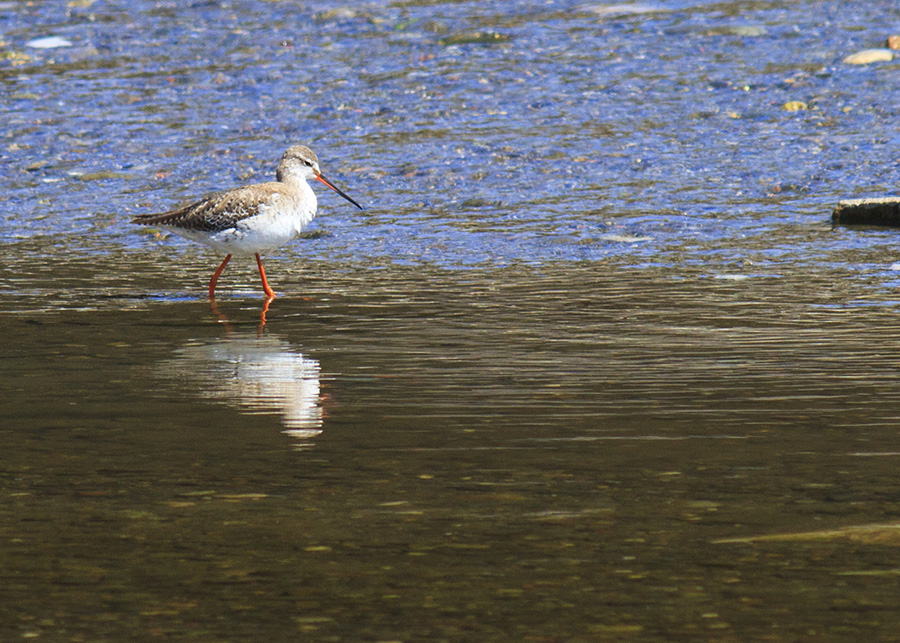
[(322, 179)]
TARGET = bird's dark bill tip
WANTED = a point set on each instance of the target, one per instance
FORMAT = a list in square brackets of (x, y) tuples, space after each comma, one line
[(322, 179)]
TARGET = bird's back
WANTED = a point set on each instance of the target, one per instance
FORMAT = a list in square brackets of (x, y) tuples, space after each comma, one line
[(228, 209)]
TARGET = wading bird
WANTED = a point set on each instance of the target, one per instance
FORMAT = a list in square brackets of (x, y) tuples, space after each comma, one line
[(248, 220)]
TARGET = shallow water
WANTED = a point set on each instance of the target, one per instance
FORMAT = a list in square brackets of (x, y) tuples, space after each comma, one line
[(592, 365)]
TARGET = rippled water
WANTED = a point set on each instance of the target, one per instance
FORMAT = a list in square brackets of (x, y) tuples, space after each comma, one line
[(591, 365)]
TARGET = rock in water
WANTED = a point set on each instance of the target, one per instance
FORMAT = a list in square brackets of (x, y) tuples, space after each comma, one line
[(883, 212), (51, 42), (867, 56)]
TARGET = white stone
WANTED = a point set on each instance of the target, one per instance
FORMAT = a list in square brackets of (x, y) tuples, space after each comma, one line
[(51, 42), (615, 10), (867, 56)]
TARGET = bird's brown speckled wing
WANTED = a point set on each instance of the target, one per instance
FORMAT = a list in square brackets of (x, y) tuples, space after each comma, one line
[(220, 211)]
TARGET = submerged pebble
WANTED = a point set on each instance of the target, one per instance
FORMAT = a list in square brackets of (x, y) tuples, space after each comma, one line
[(102, 175), (748, 31), (51, 42), (476, 37), (867, 56), (15, 58), (612, 10), (339, 13), (795, 106)]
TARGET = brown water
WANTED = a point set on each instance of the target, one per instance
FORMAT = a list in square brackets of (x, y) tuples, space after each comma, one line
[(553, 453)]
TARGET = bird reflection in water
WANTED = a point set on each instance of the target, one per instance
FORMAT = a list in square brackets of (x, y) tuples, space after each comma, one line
[(258, 374), (224, 320)]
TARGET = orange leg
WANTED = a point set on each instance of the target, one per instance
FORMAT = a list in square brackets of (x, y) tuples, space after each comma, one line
[(262, 275), (215, 277)]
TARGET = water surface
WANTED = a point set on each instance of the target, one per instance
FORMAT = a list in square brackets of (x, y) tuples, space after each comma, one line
[(592, 365)]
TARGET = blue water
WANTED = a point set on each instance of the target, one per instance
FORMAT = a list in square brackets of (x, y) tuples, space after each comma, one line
[(572, 136)]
